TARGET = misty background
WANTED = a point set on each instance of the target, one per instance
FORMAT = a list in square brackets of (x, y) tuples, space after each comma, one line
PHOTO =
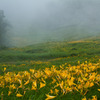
[(35, 21)]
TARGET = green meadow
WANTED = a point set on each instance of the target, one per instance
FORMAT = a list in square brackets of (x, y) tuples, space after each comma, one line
[(46, 55)]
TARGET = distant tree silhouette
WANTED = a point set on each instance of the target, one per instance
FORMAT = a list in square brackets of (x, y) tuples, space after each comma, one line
[(3, 29)]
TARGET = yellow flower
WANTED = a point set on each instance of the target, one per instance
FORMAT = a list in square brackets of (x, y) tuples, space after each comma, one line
[(86, 75), (20, 81), (87, 84), (51, 91), (37, 75), (91, 84), (32, 70), (8, 79), (94, 97), (43, 80), (98, 89), (84, 98), (34, 83), (68, 89), (18, 95), (26, 82), (86, 62), (12, 86), (24, 92), (18, 76), (70, 82), (75, 88), (53, 80), (84, 78), (42, 84), (61, 85), (4, 69), (47, 71), (49, 97), (80, 86), (78, 62), (56, 91), (20, 86), (92, 77), (33, 88), (9, 92)]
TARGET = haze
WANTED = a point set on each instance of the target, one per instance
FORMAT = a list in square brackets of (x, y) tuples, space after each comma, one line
[(35, 21)]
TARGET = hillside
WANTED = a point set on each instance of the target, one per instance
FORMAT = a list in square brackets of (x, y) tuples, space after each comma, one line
[(51, 70), (66, 51), (62, 33)]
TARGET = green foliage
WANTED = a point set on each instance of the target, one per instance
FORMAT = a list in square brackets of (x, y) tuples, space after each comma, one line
[(40, 56)]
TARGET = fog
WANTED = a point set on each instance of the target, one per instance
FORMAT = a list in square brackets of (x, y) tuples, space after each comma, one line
[(35, 21)]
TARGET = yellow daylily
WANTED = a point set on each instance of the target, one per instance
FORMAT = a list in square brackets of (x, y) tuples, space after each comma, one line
[(26, 82), (68, 89), (4, 69), (51, 91), (49, 97), (12, 86), (34, 83), (32, 70), (61, 85), (33, 88), (20, 86), (91, 84), (70, 82), (9, 92), (42, 84), (54, 80), (94, 97), (84, 98), (18, 95), (87, 84), (43, 80), (98, 89), (47, 71), (56, 91)]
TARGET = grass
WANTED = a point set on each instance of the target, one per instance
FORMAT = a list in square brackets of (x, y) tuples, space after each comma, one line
[(44, 55)]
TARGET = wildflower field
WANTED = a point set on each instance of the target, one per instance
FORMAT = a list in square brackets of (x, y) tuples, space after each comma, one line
[(51, 71)]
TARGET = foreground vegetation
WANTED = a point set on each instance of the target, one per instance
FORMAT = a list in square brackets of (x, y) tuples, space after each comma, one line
[(53, 70), (64, 82)]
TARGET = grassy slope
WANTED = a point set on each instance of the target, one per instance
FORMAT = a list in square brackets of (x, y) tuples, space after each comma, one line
[(53, 52), (63, 33), (43, 55)]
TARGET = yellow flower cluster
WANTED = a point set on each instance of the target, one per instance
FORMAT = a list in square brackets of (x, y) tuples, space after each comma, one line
[(62, 80)]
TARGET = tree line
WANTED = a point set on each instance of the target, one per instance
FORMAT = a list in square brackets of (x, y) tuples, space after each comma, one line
[(3, 29)]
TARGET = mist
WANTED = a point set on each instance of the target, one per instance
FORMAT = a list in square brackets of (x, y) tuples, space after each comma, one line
[(35, 21)]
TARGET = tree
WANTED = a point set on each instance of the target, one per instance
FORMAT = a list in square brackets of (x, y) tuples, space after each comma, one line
[(3, 28)]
